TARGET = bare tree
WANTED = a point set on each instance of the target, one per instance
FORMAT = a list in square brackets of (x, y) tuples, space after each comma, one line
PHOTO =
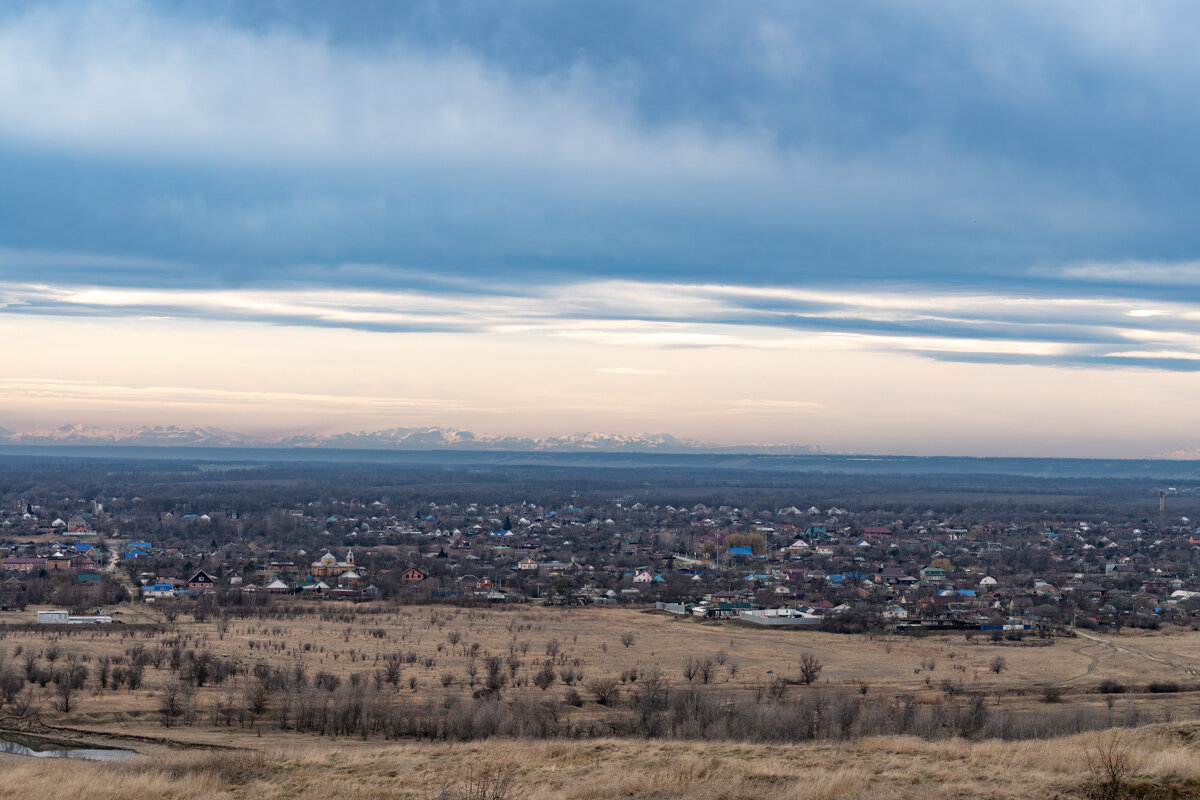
[(171, 702), (998, 665), (495, 675), (472, 671), (603, 689), (133, 675), (103, 668), (392, 667), (649, 699), (810, 668), (627, 639), (77, 673), (258, 694), (64, 699)]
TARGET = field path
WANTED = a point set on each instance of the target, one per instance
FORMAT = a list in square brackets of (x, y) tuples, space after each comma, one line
[(136, 611), (1132, 652), (1093, 660)]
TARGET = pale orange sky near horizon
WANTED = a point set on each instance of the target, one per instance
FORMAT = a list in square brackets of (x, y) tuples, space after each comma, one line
[(262, 378)]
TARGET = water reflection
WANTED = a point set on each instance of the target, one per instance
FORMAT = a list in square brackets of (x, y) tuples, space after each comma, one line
[(23, 745)]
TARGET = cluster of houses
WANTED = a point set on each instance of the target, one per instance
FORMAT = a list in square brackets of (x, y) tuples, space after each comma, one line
[(68, 561), (327, 577), (29, 558), (793, 565)]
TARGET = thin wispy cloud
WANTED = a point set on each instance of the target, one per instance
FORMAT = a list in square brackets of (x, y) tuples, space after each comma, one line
[(632, 371), (158, 397), (1136, 272), (1098, 331), (768, 406)]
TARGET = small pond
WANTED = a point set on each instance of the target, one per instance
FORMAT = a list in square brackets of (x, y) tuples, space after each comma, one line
[(25, 745)]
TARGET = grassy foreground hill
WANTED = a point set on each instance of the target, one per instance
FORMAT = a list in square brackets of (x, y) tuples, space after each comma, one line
[(1162, 762)]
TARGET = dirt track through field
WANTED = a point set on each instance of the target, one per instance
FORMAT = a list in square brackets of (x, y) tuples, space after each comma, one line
[(1093, 661), (1139, 653)]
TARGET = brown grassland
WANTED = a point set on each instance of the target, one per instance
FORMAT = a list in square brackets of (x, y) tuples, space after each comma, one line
[(255, 758), (1165, 764)]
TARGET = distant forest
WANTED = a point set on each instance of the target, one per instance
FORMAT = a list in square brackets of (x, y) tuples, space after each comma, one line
[(246, 479)]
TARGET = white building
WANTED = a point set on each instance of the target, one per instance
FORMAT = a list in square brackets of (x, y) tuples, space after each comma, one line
[(63, 618)]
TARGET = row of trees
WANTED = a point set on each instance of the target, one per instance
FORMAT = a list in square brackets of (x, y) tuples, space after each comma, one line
[(650, 708)]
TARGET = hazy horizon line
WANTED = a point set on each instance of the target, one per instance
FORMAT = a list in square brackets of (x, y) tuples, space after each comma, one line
[(643, 443)]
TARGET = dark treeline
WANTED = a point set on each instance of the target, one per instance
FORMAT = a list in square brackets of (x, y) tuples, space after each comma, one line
[(367, 709), (187, 485)]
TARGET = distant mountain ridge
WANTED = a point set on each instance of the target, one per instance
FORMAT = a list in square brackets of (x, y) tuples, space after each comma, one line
[(1182, 454), (430, 438)]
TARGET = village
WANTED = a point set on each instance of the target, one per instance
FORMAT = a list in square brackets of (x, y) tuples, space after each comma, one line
[(833, 569)]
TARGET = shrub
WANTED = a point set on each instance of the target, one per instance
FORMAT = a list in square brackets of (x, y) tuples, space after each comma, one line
[(603, 689), (486, 782), (544, 676), (1111, 762), (11, 684), (1163, 687), (1109, 686)]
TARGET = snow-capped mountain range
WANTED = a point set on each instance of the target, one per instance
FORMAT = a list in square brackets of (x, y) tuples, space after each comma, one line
[(1182, 454), (388, 439)]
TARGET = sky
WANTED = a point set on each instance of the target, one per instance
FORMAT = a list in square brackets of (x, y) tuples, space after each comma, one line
[(884, 227)]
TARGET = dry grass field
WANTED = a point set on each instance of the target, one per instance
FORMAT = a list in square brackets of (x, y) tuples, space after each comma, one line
[(1163, 763), (345, 640), (438, 643)]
